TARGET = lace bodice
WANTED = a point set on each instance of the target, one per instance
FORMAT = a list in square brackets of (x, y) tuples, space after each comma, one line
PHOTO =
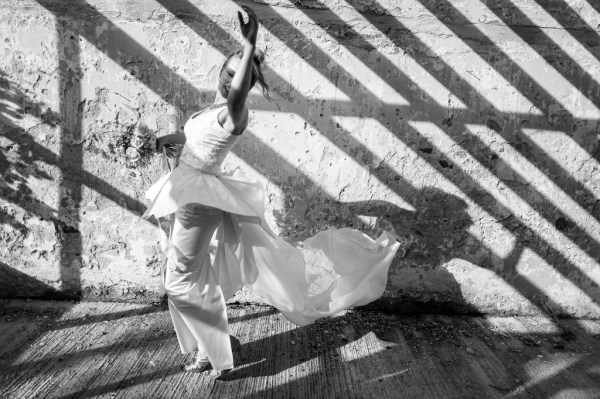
[(207, 142)]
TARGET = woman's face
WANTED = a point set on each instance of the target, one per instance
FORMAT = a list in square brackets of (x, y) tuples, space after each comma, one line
[(227, 75)]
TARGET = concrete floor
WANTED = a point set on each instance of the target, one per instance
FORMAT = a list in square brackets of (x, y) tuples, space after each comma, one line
[(118, 350)]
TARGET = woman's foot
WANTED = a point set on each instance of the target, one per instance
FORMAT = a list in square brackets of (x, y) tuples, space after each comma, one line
[(196, 366), (219, 374)]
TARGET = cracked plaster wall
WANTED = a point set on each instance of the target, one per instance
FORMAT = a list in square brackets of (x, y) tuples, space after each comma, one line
[(470, 129)]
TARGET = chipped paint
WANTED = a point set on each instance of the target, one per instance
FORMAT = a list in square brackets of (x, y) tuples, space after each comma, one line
[(464, 128)]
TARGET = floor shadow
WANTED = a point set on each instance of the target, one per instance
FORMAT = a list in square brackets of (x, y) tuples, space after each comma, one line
[(71, 360), (39, 321), (426, 356), (436, 232), (22, 325), (276, 353), (154, 308), (357, 354)]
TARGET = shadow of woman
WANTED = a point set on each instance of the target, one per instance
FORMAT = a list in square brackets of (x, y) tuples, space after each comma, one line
[(429, 236), (301, 350)]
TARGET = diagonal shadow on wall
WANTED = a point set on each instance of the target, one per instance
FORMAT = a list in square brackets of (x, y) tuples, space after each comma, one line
[(455, 285), (443, 113), (524, 285), (464, 181), (17, 162), (538, 40), (532, 90), (159, 78), (31, 152), (481, 152), (22, 159), (572, 22), (193, 12), (511, 261)]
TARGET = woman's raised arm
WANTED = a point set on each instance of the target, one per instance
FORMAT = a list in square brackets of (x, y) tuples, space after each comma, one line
[(240, 84)]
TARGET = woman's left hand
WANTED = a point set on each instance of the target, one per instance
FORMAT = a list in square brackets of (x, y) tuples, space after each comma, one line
[(250, 28), (164, 145), (171, 150)]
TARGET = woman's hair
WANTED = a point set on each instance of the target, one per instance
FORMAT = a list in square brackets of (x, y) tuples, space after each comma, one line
[(257, 74)]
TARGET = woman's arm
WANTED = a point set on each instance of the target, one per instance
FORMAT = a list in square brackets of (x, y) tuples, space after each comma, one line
[(175, 138), (240, 84)]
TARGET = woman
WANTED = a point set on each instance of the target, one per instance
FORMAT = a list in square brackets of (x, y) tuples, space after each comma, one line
[(346, 267)]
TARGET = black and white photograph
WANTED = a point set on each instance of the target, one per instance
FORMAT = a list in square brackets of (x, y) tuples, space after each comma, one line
[(353, 199)]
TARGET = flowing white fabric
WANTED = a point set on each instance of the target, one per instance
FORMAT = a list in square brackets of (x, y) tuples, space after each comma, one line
[(336, 269)]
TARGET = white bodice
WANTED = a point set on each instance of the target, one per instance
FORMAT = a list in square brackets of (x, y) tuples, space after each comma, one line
[(207, 142)]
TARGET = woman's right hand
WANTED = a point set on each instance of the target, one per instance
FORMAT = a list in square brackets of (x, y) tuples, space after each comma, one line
[(249, 29)]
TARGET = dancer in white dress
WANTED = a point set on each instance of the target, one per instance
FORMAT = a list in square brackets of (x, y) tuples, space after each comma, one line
[(336, 269)]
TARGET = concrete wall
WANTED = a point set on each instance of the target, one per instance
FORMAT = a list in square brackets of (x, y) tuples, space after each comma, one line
[(469, 129)]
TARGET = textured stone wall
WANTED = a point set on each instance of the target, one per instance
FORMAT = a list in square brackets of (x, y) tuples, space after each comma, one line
[(468, 129)]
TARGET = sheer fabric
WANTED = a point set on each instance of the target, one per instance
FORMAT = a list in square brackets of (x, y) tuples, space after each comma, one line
[(335, 269)]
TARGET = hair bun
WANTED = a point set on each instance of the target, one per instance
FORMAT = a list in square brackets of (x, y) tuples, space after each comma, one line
[(259, 56)]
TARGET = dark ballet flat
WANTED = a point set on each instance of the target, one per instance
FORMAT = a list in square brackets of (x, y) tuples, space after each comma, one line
[(196, 367), (236, 346)]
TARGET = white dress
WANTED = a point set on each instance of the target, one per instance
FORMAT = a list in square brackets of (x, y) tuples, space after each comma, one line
[(336, 269)]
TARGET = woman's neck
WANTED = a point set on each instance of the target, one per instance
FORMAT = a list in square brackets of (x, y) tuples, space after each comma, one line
[(219, 98)]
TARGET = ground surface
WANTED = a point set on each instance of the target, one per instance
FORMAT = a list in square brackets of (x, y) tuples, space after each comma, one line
[(116, 350)]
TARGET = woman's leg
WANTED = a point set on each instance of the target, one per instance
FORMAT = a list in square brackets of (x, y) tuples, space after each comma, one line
[(196, 301)]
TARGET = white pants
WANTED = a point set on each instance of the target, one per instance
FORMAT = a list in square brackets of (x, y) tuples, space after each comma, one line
[(196, 302)]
